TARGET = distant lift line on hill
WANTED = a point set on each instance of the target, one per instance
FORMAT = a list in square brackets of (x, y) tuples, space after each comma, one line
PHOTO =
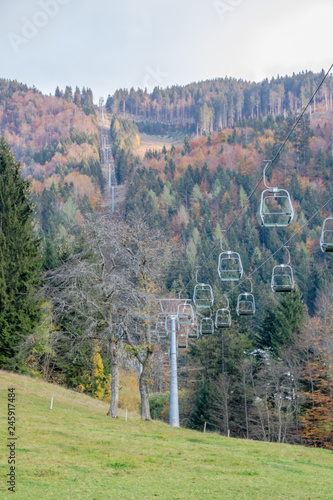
[(108, 158)]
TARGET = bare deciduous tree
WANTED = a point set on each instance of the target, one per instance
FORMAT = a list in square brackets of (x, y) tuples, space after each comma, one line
[(149, 253), (105, 290)]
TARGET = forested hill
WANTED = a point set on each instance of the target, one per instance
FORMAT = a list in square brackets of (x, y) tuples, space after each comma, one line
[(195, 190), (57, 142), (213, 104), (273, 378), (274, 369)]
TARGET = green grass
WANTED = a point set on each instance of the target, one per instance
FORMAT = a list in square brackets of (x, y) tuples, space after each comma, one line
[(75, 452)]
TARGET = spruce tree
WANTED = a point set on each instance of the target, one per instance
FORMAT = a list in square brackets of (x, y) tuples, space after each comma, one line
[(281, 325), (20, 260)]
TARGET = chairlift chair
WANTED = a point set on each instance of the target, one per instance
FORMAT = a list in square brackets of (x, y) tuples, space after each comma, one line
[(282, 277), (206, 326), (182, 340), (203, 297), (222, 318), (230, 266), (161, 326), (326, 237), (185, 314), (193, 331), (276, 209), (245, 304)]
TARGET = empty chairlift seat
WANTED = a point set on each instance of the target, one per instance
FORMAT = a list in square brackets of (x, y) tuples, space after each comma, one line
[(161, 326), (230, 266), (203, 296), (206, 326), (222, 318), (276, 209), (182, 340), (193, 331), (282, 278), (326, 238), (245, 304)]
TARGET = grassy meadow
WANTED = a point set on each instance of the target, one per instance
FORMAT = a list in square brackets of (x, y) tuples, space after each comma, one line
[(154, 142), (74, 451)]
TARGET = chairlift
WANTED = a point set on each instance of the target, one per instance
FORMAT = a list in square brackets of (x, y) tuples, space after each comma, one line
[(185, 315), (276, 209), (326, 237), (182, 340), (245, 303), (203, 297), (161, 326), (282, 277), (193, 331), (206, 326), (223, 316), (230, 266)]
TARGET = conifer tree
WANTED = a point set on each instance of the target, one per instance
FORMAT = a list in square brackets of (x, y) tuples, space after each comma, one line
[(20, 260), (187, 146), (282, 324)]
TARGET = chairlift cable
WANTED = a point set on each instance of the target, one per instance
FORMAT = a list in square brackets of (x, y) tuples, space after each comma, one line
[(301, 115), (282, 246)]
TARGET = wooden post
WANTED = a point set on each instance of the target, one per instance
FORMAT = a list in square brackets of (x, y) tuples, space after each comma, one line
[(228, 433), (205, 427), (51, 404)]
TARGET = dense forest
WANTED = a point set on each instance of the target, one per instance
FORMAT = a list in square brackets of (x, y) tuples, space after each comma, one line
[(269, 376)]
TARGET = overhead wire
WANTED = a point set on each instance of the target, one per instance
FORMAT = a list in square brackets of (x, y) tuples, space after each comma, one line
[(277, 154), (273, 254), (271, 162)]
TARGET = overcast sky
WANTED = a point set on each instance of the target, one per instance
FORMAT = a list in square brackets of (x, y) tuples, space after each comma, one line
[(107, 44)]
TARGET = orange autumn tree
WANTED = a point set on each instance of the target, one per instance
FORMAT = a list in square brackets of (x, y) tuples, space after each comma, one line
[(318, 418)]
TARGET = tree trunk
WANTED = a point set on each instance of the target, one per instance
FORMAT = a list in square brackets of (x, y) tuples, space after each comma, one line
[(245, 402), (113, 411), (143, 385)]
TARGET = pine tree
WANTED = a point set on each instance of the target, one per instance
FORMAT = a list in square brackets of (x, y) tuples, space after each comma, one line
[(20, 260), (68, 94), (77, 96), (187, 146), (201, 413), (281, 324)]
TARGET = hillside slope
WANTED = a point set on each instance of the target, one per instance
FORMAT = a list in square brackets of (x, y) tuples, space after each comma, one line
[(75, 452), (57, 144)]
